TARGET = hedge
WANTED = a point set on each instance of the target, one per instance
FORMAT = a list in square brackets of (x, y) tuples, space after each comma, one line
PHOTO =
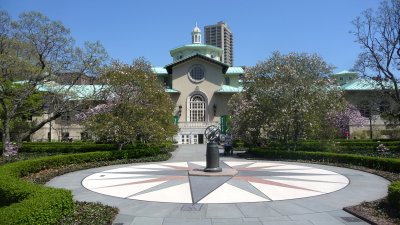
[(378, 163), (346, 146), (394, 195), (79, 147), (27, 203)]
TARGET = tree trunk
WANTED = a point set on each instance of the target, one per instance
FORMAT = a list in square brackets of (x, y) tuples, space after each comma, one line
[(120, 145), (370, 127), (6, 133)]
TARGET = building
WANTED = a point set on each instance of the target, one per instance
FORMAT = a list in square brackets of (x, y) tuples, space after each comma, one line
[(367, 96), (200, 84), (345, 77), (220, 35)]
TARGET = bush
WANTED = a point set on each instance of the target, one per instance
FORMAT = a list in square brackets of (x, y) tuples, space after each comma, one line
[(379, 163), (80, 147), (394, 195), (27, 203), (363, 147), (64, 147)]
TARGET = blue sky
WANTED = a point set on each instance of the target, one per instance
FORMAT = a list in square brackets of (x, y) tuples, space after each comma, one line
[(150, 28)]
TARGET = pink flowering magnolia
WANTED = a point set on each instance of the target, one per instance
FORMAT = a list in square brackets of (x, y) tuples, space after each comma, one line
[(11, 149), (350, 116), (98, 109)]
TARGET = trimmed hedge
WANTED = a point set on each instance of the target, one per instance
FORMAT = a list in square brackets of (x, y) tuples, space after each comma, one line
[(378, 163), (364, 147), (60, 147), (394, 195), (79, 147), (27, 203)]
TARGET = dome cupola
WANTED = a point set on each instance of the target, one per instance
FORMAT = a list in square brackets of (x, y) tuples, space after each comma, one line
[(196, 35)]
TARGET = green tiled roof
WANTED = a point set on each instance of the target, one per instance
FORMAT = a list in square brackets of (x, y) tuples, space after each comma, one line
[(235, 70), (171, 90), (196, 46), (229, 89), (363, 85), (159, 70), (75, 92), (345, 72)]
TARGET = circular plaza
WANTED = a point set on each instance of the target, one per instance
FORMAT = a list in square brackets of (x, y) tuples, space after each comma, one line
[(256, 192)]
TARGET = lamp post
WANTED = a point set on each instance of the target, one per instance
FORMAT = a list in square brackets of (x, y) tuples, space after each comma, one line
[(180, 110), (215, 109)]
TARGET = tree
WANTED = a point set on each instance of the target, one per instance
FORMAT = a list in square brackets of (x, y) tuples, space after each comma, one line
[(135, 108), (378, 33), (343, 119), (35, 52), (285, 98)]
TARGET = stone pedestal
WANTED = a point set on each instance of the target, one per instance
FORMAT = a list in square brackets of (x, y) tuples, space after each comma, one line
[(212, 157)]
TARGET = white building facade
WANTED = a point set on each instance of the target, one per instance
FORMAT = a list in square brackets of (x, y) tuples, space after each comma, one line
[(200, 85)]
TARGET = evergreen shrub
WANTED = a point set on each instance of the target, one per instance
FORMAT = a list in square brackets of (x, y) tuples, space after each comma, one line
[(394, 195), (379, 163)]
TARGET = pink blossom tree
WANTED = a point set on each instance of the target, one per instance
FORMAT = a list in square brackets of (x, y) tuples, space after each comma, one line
[(135, 108), (341, 120)]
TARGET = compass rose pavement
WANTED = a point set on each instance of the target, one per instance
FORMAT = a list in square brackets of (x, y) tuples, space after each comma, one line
[(253, 182), (250, 192)]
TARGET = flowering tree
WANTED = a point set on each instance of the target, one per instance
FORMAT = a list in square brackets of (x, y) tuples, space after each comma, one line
[(34, 52), (245, 120), (286, 98), (135, 108), (342, 120)]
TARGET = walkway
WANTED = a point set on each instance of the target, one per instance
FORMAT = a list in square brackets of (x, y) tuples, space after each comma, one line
[(260, 192)]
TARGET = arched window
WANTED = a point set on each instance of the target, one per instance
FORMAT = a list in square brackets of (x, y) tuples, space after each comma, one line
[(365, 109), (384, 106), (197, 108)]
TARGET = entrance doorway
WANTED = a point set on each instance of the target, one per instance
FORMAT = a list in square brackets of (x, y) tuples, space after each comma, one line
[(201, 138)]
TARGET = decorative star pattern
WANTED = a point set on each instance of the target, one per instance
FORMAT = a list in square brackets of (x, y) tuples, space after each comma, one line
[(254, 182)]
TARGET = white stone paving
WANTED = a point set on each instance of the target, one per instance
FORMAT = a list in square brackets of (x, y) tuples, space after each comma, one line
[(235, 195), (295, 181)]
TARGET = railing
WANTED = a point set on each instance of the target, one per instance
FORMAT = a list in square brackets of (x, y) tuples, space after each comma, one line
[(184, 125)]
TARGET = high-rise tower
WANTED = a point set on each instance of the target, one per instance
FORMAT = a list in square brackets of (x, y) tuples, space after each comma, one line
[(220, 35)]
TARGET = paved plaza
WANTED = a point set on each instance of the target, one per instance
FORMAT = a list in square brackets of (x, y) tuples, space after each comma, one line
[(250, 192)]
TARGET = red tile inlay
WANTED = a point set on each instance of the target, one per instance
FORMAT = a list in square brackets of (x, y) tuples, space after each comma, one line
[(150, 180), (254, 168), (272, 183)]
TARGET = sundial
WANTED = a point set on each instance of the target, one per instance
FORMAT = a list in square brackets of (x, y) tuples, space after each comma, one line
[(212, 155), (212, 133)]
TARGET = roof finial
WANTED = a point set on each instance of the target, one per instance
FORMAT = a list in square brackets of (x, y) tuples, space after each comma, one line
[(196, 35)]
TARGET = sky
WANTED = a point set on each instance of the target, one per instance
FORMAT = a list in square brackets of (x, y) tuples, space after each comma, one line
[(151, 28)]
